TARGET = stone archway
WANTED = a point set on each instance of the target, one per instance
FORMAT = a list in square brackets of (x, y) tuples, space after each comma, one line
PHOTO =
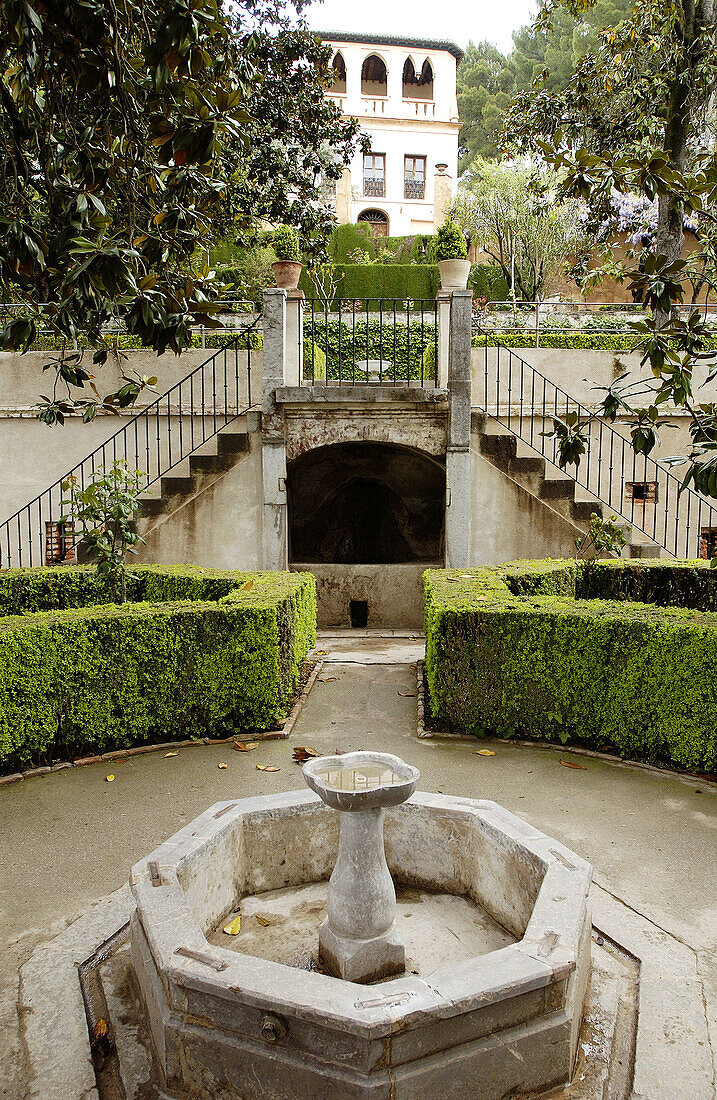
[(366, 518)]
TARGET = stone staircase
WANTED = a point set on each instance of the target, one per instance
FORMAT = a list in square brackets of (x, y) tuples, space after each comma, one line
[(195, 475), (555, 489)]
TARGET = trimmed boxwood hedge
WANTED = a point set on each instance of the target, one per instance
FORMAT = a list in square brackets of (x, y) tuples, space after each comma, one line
[(613, 652), (566, 341), (195, 653)]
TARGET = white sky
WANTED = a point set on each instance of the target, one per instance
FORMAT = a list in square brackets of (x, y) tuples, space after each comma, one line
[(456, 20)]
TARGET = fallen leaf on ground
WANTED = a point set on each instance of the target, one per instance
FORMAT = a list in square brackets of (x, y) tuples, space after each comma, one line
[(109, 779), (484, 752), (570, 764), (170, 754), (100, 1030), (233, 928), (327, 679), (408, 694), (245, 746), (302, 753), (263, 921), (321, 652), (249, 584), (221, 765), (267, 768)]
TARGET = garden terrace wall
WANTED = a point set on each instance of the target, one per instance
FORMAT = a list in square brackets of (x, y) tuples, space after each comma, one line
[(519, 650), (196, 653)]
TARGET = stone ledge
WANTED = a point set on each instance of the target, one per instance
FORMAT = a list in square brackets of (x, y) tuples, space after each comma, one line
[(364, 394)]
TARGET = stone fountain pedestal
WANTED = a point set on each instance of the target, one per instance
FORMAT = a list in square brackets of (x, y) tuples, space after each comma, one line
[(358, 940)]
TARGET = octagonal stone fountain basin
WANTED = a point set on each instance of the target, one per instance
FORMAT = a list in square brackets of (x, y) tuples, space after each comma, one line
[(229, 1024)]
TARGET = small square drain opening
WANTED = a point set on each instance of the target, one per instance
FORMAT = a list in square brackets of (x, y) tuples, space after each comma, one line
[(358, 610)]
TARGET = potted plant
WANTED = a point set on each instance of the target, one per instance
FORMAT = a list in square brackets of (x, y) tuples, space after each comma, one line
[(453, 266), (287, 268)]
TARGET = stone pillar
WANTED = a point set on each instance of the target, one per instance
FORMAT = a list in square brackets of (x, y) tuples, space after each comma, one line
[(442, 198), (344, 198), (443, 306), (294, 337), (458, 457), (273, 443)]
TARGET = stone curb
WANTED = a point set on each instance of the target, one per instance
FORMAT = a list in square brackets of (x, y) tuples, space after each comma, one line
[(170, 746)]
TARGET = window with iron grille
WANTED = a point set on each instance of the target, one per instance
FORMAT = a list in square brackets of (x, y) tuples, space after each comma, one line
[(641, 492), (708, 542), (374, 175), (59, 542), (414, 177)]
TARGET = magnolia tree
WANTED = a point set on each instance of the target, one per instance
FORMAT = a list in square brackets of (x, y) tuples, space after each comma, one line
[(631, 120), (130, 136), (510, 213)]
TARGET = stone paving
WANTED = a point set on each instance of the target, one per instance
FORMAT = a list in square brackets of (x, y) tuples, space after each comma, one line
[(70, 837)]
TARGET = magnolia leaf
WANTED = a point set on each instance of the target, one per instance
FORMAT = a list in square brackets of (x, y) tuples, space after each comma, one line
[(484, 752), (249, 584), (109, 779), (264, 922), (266, 767), (167, 754), (221, 766), (571, 764), (233, 928)]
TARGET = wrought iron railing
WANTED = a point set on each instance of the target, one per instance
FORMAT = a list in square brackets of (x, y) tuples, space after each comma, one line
[(634, 487), (373, 187), (540, 319), (414, 189), (162, 434), (386, 341)]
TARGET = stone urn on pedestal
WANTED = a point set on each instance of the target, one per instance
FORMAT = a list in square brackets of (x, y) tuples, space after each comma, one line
[(358, 940)]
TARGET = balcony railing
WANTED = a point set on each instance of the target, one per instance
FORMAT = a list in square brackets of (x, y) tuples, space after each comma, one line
[(414, 189), (374, 188)]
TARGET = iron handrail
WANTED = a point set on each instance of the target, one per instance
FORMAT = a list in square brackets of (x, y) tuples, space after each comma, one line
[(678, 520), (202, 403)]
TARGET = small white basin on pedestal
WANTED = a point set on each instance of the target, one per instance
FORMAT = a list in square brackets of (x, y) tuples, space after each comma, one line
[(358, 940)]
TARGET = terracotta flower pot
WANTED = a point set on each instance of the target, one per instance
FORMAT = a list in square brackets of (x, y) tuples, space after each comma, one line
[(454, 274), (287, 274)]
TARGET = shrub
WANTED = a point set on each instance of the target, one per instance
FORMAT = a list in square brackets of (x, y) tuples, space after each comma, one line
[(370, 282), (286, 244), (528, 649), (314, 361), (347, 343), (347, 238), (488, 281), (450, 242), (198, 653), (577, 341)]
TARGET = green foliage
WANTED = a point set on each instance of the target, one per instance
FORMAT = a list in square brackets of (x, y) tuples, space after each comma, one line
[(604, 536), (202, 653), (414, 282), (488, 281), (286, 244), (576, 341), (130, 138), (314, 361), (487, 80), (347, 238), (554, 650), (250, 273), (450, 242), (104, 511), (401, 344)]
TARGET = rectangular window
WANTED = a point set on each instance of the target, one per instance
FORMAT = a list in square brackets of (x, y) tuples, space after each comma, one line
[(374, 175), (708, 542), (414, 178), (641, 492)]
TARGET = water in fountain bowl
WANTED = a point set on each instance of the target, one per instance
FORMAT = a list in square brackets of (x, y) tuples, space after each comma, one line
[(367, 777)]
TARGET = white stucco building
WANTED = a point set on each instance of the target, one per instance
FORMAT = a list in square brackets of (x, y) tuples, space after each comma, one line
[(403, 92)]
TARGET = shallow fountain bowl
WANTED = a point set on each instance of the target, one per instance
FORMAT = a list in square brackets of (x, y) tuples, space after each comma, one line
[(400, 786)]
